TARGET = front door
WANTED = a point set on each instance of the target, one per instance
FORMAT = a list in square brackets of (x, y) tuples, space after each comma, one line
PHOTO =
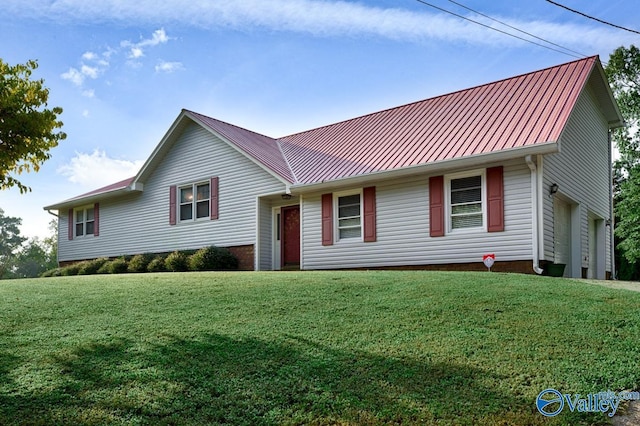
[(290, 217)]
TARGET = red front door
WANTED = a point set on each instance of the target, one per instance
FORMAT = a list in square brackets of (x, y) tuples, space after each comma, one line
[(290, 226)]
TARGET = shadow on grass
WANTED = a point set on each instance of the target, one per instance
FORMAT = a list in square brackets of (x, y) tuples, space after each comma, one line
[(216, 379)]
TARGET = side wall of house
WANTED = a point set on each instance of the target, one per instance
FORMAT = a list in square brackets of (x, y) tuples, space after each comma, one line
[(139, 223), (581, 171), (402, 228)]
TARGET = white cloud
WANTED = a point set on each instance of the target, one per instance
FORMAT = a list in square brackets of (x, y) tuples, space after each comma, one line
[(136, 49), (89, 71), (85, 113), (89, 93), (74, 76), (169, 67), (98, 169), (136, 52), (321, 18), (89, 56)]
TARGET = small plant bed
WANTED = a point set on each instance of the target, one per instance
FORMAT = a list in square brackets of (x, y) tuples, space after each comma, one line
[(210, 258), (377, 347)]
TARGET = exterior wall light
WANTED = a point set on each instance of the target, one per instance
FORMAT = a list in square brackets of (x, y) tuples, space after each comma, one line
[(553, 189), (286, 196)]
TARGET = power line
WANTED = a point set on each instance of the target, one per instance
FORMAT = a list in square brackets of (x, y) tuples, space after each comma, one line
[(517, 29), (592, 17), (498, 30)]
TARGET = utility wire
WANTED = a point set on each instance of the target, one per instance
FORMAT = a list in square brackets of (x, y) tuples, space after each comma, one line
[(517, 29), (592, 17), (564, 52)]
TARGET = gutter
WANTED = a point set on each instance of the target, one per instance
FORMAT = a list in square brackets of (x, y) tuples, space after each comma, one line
[(612, 216), (535, 207)]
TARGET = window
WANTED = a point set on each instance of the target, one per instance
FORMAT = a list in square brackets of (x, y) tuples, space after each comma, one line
[(349, 216), (466, 204), (197, 206), (85, 221)]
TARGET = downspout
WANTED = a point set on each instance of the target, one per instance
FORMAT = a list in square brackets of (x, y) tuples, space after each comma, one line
[(534, 214), (612, 217)]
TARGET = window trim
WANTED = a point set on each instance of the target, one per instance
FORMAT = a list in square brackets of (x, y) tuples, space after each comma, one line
[(84, 222), (483, 198), (336, 212), (194, 201)]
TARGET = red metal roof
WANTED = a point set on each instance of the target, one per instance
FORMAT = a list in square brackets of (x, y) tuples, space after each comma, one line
[(260, 147), (109, 188), (517, 112), (522, 111)]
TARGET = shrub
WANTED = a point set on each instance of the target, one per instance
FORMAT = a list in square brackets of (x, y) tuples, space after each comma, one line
[(115, 266), (139, 262), (90, 267), (55, 272), (70, 269), (156, 264), (212, 259), (176, 262)]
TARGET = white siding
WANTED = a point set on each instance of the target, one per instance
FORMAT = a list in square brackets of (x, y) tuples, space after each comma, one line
[(139, 223), (403, 229), (581, 169)]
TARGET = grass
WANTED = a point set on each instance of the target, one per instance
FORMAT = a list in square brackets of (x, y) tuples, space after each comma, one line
[(310, 348)]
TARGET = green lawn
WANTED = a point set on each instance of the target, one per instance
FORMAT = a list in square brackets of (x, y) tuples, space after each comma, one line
[(310, 348)]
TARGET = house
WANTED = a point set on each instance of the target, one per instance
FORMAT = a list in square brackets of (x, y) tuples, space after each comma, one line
[(519, 167)]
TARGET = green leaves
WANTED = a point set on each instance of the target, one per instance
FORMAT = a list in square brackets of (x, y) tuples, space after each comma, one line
[(28, 129), (623, 72)]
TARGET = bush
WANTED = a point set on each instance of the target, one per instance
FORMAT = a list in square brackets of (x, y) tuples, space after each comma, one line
[(90, 267), (156, 264), (213, 259), (70, 270), (55, 272), (115, 266), (176, 262), (139, 262)]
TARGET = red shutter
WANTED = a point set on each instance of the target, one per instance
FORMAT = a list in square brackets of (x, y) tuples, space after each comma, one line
[(495, 199), (327, 219), (70, 228), (172, 205), (436, 206), (369, 201), (213, 187), (96, 219)]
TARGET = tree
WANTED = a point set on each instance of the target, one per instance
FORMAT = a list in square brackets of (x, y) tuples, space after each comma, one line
[(10, 241), (623, 72), (27, 127), (31, 261)]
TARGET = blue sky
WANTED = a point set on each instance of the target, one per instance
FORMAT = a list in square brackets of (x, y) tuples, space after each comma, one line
[(122, 70)]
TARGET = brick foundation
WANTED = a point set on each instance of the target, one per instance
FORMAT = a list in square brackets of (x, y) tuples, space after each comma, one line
[(517, 266), (245, 255)]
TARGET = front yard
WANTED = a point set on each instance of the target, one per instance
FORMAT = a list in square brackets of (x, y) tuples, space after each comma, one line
[(310, 348)]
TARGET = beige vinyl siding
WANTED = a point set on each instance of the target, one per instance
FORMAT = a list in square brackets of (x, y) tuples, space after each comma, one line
[(581, 169), (139, 222), (403, 239)]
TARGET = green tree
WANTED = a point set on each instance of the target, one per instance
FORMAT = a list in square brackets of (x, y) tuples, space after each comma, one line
[(30, 261), (623, 72), (10, 241), (27, 126)]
